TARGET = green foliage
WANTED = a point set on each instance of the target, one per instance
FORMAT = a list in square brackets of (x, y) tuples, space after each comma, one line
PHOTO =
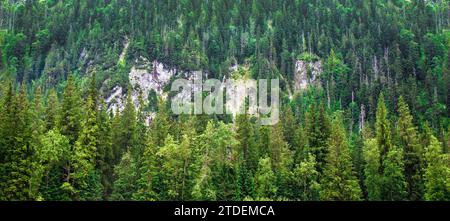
[(393, 187), (409, 141), (265, 180), (339, 181), (372, 180), (70, 111), (53, 151), (59, 140), (306, 180), (437, 172), (382, 128)]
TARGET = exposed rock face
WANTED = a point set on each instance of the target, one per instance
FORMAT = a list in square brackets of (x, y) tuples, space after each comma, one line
[(116, 100), (142, 80), (306, 73)]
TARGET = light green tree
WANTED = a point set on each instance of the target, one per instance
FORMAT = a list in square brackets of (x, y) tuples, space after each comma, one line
[(339, 181), (436, 172)]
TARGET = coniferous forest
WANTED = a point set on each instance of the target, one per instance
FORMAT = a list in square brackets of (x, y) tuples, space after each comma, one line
[(370, 122)]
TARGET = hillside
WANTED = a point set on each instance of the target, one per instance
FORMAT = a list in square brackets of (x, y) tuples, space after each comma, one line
[(85, 100)]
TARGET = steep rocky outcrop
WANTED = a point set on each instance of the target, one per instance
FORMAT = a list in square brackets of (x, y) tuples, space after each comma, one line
[(306, 73), (142, 80)]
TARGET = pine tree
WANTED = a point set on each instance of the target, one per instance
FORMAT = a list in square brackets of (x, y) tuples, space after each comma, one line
[(51, 110), (125, 173), (128, 125), (279, 151), (281, 158), (300, 145), (382, 128), (105, 156), (203, 188), (372, 180), (409, 140), (16, 165), (339, 181), (6, 135), (173, 157), (70, 112), (436, 172), (85, 177), (48, 159), (37, 130), (221, 143), (305, 179), (391, 158), (148, 184), (318, 132), (245, 183), (116, 136), (265, 180), (393, 186), (245, 136), (289, 127)]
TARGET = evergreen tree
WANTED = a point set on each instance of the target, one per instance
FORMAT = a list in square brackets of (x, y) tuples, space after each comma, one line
[(116, 136), (70, 111), (173, 157), (128, 126), (16, 163), (49, 158), (85, 177), (318, 132), (436, 172), (265, 180), (281, 159), (37, 130), (393, 185), (105, 155), (51, 110), (339, 181), (289, 127), (125, 173), (148, 184), (372, 180), (382, 128), (306, 180), (409, 140), (245, 136)]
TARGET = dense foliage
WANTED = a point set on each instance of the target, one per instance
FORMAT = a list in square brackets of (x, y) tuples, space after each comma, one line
[(375, 128)]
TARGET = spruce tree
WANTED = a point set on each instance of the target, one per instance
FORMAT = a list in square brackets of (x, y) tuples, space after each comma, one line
[(382, 128), (372, 175), (393, 186), (409, 140), (318, 132), (436, 172), (116, 136), (85, 176), (37, 130), (148, 183), (265, 180), (305, 180), (105, 156), (245, 136), (173, 157), (128, 125), (125, 174), (339, 181), (51, 110), (48, 160), (70, 112), (16, 136)]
